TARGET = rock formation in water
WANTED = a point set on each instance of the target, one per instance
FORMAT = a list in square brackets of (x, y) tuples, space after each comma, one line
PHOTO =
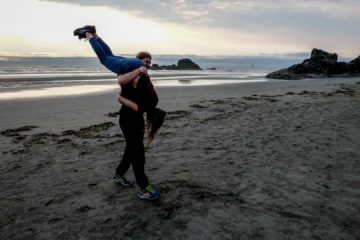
[(183, 64), (320, 64)]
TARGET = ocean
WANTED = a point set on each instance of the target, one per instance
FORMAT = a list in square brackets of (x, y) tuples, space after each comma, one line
[(23, 77)]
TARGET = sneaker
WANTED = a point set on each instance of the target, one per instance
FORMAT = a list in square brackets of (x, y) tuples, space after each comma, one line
[(149, 193), (122, 180), (80, 32)]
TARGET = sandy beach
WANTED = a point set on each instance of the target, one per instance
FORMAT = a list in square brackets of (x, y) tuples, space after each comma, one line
[(268, 160)]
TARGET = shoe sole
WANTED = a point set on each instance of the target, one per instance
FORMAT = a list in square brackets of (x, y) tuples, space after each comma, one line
[(77, 32), (150, 199)]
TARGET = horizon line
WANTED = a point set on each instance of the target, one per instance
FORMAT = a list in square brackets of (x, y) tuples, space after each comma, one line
[(57, 55)]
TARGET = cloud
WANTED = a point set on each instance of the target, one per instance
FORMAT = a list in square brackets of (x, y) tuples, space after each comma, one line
[(306, 16), (228, 25), (173, 10)]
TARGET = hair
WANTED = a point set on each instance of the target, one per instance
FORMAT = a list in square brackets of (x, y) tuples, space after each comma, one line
[(142, 55), (154, 120)]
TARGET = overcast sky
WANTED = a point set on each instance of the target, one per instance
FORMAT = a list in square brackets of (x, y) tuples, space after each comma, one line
[(203, 27)]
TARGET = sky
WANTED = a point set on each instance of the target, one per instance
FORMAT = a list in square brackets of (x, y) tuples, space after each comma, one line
[(201, 27)]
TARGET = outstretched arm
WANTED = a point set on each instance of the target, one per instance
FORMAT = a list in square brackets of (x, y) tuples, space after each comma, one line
[(129, 77), (128, 103)]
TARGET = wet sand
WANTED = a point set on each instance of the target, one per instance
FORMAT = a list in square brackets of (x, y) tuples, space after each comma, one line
[(274, 160)]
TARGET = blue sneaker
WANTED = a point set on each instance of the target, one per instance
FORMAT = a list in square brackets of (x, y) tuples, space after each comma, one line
[(122, 180), (149, 193)]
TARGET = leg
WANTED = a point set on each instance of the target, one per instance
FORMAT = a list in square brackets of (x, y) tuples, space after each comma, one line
[(104, 46), (113, 63), (101, 54), (138, 163), (133, 130), (126, 160), (136, 148), (125, 163), (106, 49)]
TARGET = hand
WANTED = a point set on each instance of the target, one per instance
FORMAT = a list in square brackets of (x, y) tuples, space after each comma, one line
[(143, 70), (120, 97)]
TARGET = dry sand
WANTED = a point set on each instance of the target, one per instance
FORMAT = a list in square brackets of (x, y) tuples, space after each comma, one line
[(275, 160)]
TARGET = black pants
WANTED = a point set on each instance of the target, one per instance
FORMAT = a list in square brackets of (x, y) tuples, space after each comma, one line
[(132, 126)]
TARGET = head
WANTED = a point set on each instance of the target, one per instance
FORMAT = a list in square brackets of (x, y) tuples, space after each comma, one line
[(145, 57), (154, 120)]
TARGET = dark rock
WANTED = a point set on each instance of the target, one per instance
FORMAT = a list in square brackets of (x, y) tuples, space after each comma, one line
[(113, 114), (18, 139), (65, 140), (84, 209), (155, 67), (320, 64), (14, 132), (183, 64), (356, 61), (321, 55), (68, 132), (187, 64), (19, 152), (354, 65), (88, 132), (164, 67)]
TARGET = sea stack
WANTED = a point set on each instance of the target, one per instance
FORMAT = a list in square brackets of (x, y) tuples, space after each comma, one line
[(183, 64), (320, 64)]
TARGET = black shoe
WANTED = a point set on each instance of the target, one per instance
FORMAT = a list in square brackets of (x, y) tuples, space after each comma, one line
[(80, 32)]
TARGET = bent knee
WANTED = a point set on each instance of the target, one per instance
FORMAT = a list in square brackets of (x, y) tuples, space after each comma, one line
[(102, 59)]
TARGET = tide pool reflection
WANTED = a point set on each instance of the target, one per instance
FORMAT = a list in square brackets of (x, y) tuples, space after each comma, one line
[(57, 91), (32, 92), (184, 82)]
